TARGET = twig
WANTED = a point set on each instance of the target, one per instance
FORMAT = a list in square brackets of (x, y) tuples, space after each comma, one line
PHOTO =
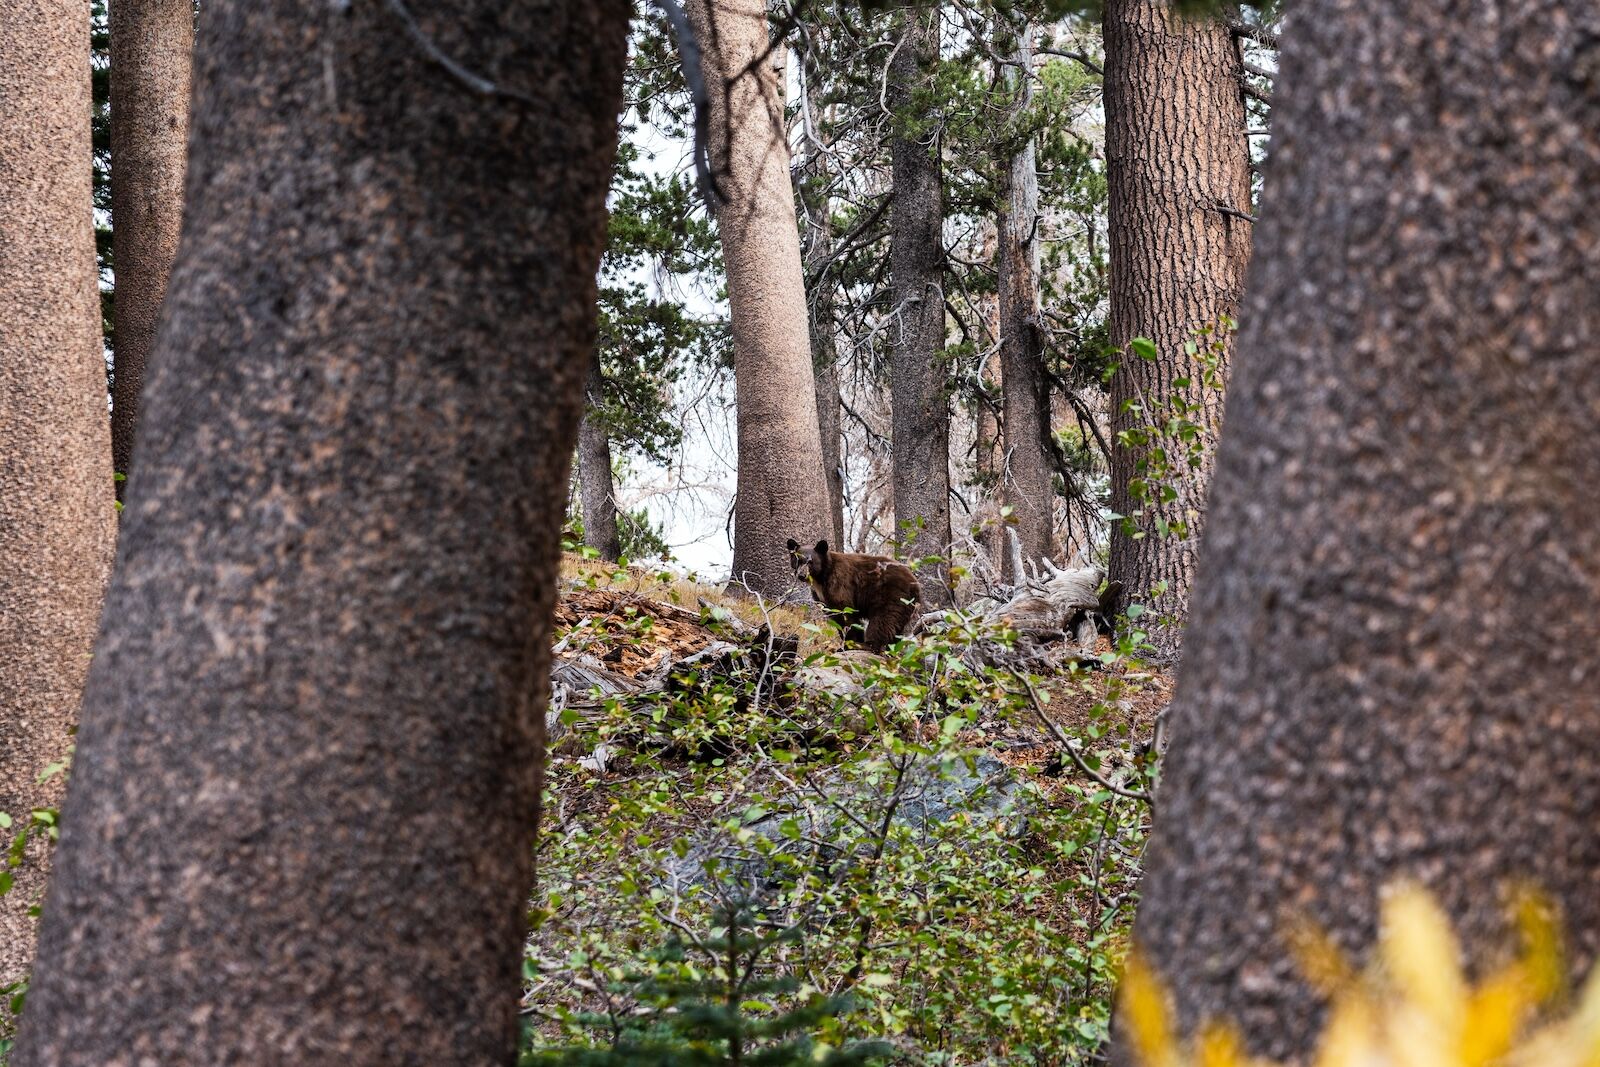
[(1259, 34), (1234, 212), (1080, 57), (1061, 739), (694, 76), (476, 82)]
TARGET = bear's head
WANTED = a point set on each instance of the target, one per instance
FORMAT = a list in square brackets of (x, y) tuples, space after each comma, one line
[(812, 564)]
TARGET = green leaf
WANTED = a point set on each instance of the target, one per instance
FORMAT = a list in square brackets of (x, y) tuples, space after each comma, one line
[(1144, 348)]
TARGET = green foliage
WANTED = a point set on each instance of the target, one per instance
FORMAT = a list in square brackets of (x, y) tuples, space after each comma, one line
[(703, 1000), (41, 824), (641, 537), (646, 337), (973, 913), (1170, 437)]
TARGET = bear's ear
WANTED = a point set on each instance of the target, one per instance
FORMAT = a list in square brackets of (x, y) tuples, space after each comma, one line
[(822, 548), (794, 546)]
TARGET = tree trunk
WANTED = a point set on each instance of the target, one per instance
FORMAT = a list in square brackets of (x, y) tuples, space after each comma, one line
[(782, 493), (57, 521), (1387, 674), (300, 826), (988, 441), (594, 472), (919, 393), (1029, 487), (151, 45), (814, 200), (1175, 150), (990, 459)]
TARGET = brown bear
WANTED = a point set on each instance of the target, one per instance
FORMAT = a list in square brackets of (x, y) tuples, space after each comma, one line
[(871, 598)]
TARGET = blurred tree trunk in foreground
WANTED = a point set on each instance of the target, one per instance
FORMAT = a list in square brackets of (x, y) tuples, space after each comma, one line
[(300, 825), (1389, 671), (57, 520)]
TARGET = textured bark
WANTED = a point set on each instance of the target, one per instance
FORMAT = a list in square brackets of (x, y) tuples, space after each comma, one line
[(594, 472), (989, 458), (300, 825), (919, 393), (818, 248), (56, 517), (1389, 666), (1029, 487), (830, 411), (988, 447), (782, 493), (151, 45), (1175, 149)]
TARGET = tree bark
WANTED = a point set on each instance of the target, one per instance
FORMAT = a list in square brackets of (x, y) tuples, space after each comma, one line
[(594, 472), (152, 42), (1388, 670), (300, 826), (988, 441), (57, 521), (817, 250), (1029, 486), (919, 392), (781, 493), (1175, 150)]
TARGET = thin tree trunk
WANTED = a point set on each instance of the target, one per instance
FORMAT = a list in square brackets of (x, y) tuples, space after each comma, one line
[(1389, 666), (594, 472), (1029, 486), (830, 419), (782, 493), (818, 248), (990, 461), (988, 441), (1175, 151), (151, 45), (300, 826), (57, 521), (921, 399)]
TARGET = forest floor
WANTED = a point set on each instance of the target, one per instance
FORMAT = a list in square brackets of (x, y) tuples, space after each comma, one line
[(631, 805)]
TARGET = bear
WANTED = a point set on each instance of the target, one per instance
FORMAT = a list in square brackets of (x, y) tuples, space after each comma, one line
[(869, 597)]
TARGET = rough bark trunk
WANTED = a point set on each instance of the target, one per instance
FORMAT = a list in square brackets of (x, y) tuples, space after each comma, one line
[(151, 45), (919, 392), (1175, 150), (782, 493), (57, 522), (594, 472), (818, 247), (310, 758), (988, 447), (1388, 667), (989, 461), (1029, 486)]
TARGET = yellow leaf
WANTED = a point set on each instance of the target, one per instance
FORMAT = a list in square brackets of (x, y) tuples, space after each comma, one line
[(1144, 1006), (1220, 1047), (1422, 957)]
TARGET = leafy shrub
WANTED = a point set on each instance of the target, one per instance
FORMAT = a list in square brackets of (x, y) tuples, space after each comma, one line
[(974, 912)]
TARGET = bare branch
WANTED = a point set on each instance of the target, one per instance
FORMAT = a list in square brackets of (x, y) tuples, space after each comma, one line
[(694, 76), (1079, 57), (1234, 212)]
